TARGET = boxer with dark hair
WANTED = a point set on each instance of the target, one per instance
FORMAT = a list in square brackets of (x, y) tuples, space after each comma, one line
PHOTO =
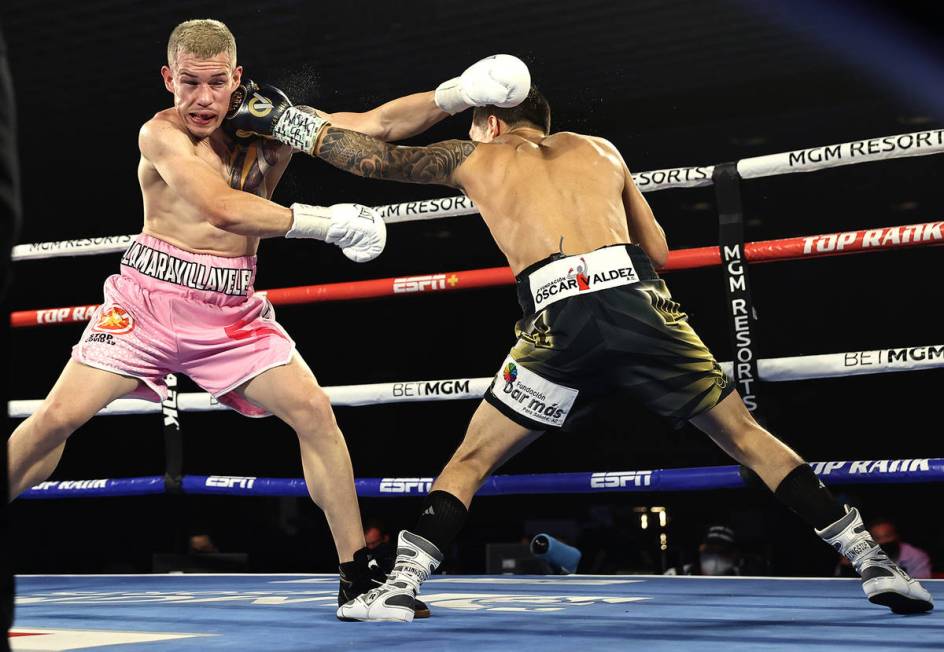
[(598, 321)]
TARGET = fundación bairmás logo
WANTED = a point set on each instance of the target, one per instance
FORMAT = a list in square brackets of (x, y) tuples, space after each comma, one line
[(510, 373)]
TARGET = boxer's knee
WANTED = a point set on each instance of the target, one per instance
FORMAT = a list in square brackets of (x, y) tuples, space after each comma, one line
[(54, 421), (311, 414)]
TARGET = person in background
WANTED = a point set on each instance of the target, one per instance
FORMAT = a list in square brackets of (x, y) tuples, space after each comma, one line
[(718, 554), (202, 544), (915, 561), (377, 537)]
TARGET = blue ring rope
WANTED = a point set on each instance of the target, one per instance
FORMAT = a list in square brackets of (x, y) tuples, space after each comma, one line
[(901, 471)]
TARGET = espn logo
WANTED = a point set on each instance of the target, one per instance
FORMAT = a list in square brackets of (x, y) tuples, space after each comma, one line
[(405, 485), (620, 479), (419, 283), (230, 481)]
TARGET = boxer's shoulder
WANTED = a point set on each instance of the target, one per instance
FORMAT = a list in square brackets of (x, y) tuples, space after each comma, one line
[(482, 160), (164, 120), (599, 141), (571, 139), (164, 129)]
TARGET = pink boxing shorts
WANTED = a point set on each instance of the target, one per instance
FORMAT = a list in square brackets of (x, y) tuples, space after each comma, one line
[(173, 311)]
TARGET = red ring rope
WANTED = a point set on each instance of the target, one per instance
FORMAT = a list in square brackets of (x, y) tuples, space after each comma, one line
[(800, 247)]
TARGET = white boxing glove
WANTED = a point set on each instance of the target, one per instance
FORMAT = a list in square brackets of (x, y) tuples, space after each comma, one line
[(358, 230), (499, 80)]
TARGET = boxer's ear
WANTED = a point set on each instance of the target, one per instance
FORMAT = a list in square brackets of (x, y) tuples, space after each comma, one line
[(494, 126), (168, 76)]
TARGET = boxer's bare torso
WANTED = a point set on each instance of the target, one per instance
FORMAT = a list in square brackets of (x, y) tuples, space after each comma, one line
[(541, 195), (254, 166), (538, 194)]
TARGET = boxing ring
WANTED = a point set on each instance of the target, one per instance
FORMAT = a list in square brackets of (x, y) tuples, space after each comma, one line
[(296, 612)]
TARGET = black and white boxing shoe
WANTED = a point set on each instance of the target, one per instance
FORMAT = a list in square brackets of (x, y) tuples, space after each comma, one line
[(883, 581), (363, 575), (396, 599)]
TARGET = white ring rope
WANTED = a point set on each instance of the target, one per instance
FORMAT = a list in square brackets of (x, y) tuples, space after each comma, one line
[(427, 209), (829, 365), (111, 244), (918, 143)]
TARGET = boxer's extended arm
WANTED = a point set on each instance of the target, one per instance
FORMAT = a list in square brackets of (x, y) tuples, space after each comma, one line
[(172, 153), (401, 118), (362, 155), (502, 80), (643, 227)]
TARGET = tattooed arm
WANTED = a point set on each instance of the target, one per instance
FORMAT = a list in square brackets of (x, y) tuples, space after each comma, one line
[(397, 119), (356, 153)]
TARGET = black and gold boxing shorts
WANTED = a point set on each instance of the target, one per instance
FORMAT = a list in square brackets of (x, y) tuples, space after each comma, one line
[(597, 325)]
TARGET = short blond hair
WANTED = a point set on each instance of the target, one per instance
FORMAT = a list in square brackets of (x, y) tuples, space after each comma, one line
[(203, 37)]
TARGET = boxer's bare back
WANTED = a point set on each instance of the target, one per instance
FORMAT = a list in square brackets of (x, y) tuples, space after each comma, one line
[(539, 194), (563, 193)]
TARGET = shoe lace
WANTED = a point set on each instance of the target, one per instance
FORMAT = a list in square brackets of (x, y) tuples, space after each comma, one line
[(404, 572), (873, 556)]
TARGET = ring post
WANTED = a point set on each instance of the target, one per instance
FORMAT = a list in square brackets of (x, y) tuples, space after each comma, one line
[(741, 313)]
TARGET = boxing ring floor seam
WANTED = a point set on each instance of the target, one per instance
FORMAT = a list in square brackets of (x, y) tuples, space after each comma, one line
[(499, 612)]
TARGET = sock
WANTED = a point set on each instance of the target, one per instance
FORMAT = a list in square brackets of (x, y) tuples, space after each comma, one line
[(355, 577), (803, 493), (357, 568), (441, 518)]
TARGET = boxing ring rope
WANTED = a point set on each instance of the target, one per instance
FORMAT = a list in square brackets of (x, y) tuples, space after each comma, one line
[(918, 143), (796, 248), (687, 479), (809, 367)]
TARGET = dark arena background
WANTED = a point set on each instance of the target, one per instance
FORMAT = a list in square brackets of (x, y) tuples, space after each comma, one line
[(673, 84)]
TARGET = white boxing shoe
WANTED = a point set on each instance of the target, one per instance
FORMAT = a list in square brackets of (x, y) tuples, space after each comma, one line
[(883, 581), (395, 599)]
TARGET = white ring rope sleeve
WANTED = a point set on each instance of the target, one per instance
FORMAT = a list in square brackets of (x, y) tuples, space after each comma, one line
[(919, 143), (829, 365)]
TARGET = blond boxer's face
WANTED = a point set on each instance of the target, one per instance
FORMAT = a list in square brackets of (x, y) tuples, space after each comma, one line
[(202, 88)]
